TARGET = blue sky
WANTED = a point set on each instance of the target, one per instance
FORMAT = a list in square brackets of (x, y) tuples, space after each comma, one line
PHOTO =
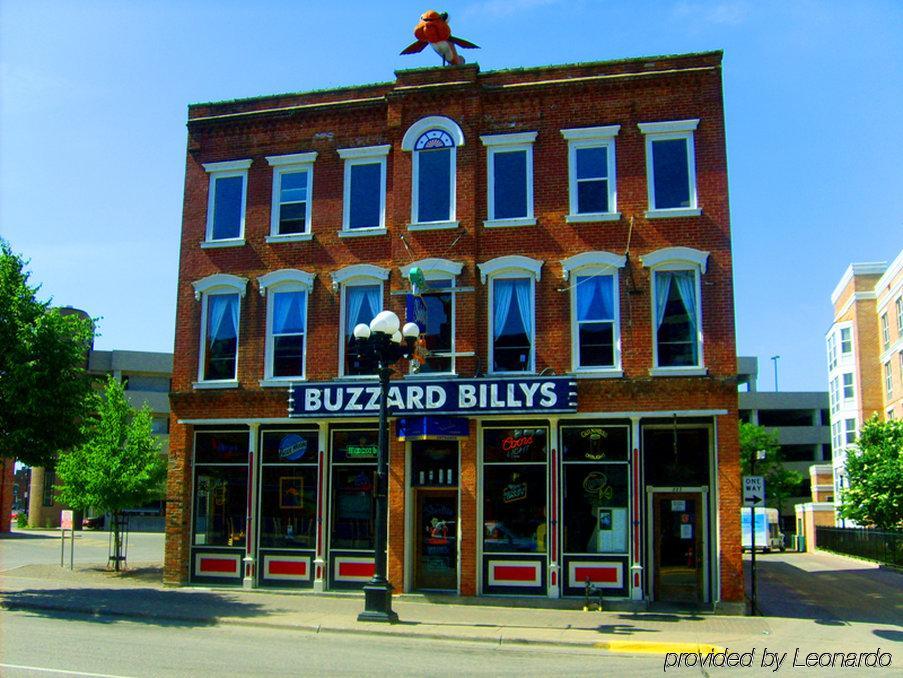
[(93, 99)]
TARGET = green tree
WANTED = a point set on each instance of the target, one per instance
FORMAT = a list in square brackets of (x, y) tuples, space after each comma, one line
[(875, 474), (44, 388), (119, 466), (781, 483)]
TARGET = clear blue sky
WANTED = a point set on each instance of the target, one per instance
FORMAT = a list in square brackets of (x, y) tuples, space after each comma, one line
[(93, 100)]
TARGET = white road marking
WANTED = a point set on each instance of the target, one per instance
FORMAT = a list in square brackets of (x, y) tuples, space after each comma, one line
[(68, 672)]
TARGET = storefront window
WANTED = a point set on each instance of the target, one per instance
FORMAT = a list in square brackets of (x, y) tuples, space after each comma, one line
[(288, 492), (220, 488), (514, 490), (353, 489), (595, 491)]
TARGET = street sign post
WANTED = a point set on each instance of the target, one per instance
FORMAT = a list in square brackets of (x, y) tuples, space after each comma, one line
[(67, 522), (753, 496)]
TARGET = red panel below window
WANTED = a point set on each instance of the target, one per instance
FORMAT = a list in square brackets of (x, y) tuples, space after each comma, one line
[(514, 573), (606, 575), (219, 565), (356, 569), (292, 567)]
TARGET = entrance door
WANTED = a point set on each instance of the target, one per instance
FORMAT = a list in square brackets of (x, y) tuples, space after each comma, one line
[(436, 540), (678, 545)]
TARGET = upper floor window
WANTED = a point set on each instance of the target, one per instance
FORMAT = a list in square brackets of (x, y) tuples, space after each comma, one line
[(361, 288), (831, 346), (885, 332), (595, 316), (364, 190), (293, 177), (846, 340), (433, 142), (226, 202), (592, 188), (220, 295), (676, 309), (834, 394), (433, 309), (899, 307), (848, 386), (888, 379), (512, 282), (849, 431), (287, 293), (671, 168), (509, 172)]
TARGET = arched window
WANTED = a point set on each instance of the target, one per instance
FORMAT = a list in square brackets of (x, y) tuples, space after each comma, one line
[(220, 296), (287, 292), (433, 141), (361, 288)]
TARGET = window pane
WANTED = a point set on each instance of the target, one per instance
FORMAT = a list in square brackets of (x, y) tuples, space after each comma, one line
[(288, 356), (434, 185), (672, 178), (353, 507), (512, 299), (285, 447), (592, 163), (293, 218), (438, 335), (597, 347), (515, 444), (294, 187), (361, 306), (592, 196), (676, 343), (510, 176), (221, 447), (288, 312), (221, 497), (594, 443), (595, 297), (595, 508), (514, 511), (365, 194), (288, 506), (227, 207)]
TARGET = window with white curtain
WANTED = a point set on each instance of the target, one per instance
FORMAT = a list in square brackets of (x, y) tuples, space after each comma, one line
[(512, 325), (676, 319), (596, 331), (361, 304), (221, 312), (287, 292)]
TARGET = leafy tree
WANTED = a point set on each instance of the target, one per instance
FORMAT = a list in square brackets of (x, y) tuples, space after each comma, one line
[(780, 483), (875, 475), (44, 388), (119, 466)]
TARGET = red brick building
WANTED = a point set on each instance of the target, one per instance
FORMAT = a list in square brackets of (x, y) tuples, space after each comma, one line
[(575, 415)]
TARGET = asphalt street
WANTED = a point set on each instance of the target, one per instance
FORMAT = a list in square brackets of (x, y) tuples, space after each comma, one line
[(33, 645), (42, 547)]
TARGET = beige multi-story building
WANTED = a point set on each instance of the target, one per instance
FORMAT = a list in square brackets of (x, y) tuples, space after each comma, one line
[(865, 354), (819, 512)]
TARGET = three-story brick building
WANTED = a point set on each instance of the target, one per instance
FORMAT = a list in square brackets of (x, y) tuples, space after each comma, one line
[(574, 417)]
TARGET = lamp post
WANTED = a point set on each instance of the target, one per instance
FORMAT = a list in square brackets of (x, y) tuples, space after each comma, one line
[(775, 359), (383, 344)]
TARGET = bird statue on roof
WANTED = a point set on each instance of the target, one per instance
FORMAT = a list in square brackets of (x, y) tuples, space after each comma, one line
[(433, 30)]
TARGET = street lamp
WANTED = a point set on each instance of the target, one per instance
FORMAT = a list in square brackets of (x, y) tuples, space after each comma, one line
[(775, 359), (382, 343)]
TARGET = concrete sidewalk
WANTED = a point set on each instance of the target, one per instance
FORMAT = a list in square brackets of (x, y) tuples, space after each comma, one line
[(138, 595)]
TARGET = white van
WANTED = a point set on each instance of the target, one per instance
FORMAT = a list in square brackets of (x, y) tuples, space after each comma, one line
[(768, 531)]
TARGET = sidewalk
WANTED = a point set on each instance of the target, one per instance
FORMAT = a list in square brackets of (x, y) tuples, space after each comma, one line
[(138, 595)]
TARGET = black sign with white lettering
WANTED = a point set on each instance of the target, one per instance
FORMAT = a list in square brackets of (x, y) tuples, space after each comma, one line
[(453, 396)]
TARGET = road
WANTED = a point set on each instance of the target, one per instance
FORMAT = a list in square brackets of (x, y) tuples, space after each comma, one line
[(42, 547), (32, 645)]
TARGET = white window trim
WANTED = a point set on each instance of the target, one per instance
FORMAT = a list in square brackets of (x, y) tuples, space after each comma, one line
[(407, 144), (664, 131), (677, 259), (352, 276), (366, 155), (589, 264), (441, 269), (511, 266), (289, 164), (224, 170), (519, 141), (592, 137), (218, 283), (283, 280)]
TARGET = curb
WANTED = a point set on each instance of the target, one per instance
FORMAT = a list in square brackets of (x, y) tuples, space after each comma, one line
[(620, 647)]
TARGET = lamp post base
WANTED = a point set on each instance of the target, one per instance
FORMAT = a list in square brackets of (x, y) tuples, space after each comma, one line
[(378, 604)]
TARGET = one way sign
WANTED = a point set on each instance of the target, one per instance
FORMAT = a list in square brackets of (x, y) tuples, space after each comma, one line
[(753, 491)]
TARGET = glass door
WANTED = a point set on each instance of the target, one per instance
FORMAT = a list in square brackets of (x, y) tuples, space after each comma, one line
[(436, 544), (678, 546)]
